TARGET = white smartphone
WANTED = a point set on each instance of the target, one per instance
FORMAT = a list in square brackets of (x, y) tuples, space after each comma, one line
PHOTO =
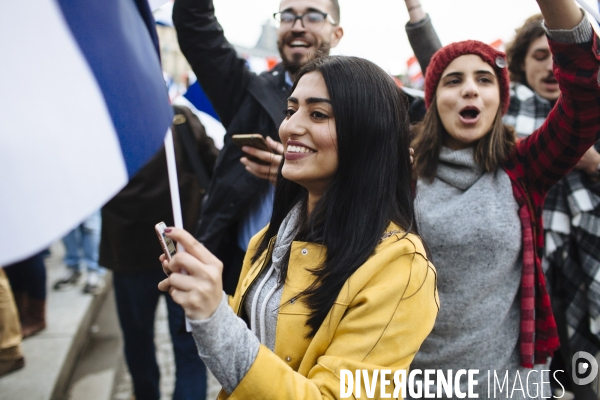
[(167, 244)]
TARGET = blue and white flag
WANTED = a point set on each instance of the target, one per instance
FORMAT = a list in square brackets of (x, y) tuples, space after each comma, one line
[(83, 107), (198, 98)]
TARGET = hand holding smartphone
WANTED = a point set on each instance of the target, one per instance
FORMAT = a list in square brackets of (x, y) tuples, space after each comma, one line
[(166, 242), (255, 140)]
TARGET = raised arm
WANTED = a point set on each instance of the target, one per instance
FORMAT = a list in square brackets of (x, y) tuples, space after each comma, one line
[(560, 14), (573, 125), (423, 39), (221, 73)]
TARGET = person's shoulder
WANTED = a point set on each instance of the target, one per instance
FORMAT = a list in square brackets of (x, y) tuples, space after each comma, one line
[(397, 270), (404, 257), (274, 76), (256, 239), (397, 241)]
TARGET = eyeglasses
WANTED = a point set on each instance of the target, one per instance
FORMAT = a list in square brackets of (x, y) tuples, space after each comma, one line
[(312, 20)]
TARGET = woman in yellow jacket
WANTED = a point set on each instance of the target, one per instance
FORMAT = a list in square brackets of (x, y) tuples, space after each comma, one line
[(338, 281)]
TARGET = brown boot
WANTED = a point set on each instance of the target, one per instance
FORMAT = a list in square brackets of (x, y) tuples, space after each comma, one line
[(22, 302), (35, 320), (11, 359)]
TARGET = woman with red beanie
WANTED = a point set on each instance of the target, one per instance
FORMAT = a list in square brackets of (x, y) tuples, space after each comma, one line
[(479, 204)]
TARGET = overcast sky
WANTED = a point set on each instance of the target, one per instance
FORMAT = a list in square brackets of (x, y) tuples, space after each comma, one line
[(374, 29)]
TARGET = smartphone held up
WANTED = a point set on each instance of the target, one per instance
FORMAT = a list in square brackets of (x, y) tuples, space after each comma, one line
[(167, 244), (255, 140)]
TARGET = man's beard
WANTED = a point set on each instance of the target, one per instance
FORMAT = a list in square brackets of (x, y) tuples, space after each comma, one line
[(293, 65)]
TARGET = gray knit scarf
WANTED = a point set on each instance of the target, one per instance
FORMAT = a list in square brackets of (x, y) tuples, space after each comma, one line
[(458, 168), (285, 236)]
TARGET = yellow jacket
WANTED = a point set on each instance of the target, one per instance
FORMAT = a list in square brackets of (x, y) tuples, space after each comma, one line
[(383, 313)]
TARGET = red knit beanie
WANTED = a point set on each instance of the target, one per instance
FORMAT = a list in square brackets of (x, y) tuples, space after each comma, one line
[(444, 56)]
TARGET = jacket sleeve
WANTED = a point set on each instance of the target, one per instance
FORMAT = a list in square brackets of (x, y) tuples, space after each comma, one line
[(221, 73), (424, 41), (572, 126), (382, 328)]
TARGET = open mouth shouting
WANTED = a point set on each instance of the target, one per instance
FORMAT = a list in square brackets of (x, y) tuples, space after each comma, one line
[(469, 115), (296, 150)]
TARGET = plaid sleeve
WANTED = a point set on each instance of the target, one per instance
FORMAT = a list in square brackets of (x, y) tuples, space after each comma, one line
[(557, 224), (572, 126)]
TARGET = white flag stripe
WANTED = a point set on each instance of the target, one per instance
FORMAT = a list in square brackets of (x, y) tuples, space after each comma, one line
[(69, 161), (156, 4), (173, 183)]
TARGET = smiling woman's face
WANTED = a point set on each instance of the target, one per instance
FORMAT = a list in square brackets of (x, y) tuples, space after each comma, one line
[(467, 98), (309, 136)]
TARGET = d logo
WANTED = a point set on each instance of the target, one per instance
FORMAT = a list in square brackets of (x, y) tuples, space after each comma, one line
[(584, 368)]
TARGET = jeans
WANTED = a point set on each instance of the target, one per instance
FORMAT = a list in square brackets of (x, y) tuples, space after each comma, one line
[(82, 244), (137, 297)]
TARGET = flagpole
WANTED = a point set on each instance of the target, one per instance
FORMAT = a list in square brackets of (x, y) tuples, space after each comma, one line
[(175, 201), (173, 183)]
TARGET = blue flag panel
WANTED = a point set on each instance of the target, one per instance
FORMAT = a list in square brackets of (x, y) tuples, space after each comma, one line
[(118, 39)]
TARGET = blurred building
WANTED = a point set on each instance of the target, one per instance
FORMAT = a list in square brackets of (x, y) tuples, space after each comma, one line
[(263, 56)]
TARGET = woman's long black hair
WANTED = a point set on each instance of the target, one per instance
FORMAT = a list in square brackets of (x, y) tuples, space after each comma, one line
[(371, 187)]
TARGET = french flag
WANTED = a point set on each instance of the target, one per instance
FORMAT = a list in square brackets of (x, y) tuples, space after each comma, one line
[(83, 107)]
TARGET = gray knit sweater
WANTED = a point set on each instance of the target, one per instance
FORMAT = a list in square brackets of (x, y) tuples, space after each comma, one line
[(469, 219)]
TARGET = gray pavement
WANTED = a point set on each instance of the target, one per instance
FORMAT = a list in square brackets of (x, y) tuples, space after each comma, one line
[(164, 354), (51, 354), (79, 355), (96, 369)]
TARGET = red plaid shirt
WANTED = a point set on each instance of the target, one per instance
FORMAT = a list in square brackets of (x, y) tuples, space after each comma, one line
[(540, 161)]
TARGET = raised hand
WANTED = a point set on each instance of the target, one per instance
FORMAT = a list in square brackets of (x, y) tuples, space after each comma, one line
[(589, 162), (272, 160), (415, 11)]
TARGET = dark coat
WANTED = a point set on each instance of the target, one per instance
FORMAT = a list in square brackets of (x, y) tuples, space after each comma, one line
[(245, 103), (128, 243)]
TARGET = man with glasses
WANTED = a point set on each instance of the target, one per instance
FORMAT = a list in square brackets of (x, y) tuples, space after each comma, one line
[(301, 36), (238, 203)]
